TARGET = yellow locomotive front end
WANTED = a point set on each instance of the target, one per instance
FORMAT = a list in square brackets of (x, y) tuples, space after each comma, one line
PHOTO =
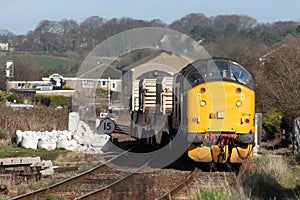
[(220, 112)]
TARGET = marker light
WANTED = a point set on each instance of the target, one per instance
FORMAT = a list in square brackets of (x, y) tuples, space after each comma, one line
[(238, 103), (202, 103)]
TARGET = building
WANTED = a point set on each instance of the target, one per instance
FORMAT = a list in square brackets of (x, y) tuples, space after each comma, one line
[(15, 85), (110, 81), (57, 84), (4, 47)]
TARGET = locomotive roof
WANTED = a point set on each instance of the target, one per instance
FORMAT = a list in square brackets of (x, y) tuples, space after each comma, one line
[(213, 69)]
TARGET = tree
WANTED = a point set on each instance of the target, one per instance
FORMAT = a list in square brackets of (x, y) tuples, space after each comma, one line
[(269, 38), (203, 33), (188, 22), (25, 68), (281, 84), (231, 29), (298, 30)]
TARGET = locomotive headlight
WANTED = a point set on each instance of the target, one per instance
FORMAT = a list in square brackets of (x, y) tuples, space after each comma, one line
[(238, 103), (202, 103)]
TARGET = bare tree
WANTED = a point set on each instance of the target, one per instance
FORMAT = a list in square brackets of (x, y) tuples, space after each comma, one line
[(26, 68), (281, 69)]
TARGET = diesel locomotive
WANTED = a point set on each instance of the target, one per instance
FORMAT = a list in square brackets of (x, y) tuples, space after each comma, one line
[(210, 102)]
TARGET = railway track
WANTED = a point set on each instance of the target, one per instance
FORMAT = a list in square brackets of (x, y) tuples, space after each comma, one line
[(204, 180), (103, 182), (122, 129), (149, 185), (173, 191), (80, 184)]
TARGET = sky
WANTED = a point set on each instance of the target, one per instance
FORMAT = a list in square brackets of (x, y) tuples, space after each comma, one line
[(21, 16)]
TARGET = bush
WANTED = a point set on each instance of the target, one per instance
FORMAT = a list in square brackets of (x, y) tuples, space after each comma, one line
[(272, 123), (15, 98), (101, 93), (42, 99), (66, 87), (59, 100), (52, 100), (3, 96)]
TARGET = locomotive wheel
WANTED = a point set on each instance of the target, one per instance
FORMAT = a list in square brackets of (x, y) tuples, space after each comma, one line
[(134, 132), (144, 136), (150, 137), (165, 139)]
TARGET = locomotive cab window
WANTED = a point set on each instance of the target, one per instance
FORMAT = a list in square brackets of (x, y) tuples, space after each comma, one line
[(197, 75), (213, 70), (240, 75), (220, 69)]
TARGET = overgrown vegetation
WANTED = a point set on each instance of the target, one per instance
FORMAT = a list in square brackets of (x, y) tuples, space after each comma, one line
[(14, 98), (215, 194), (40, 118), (271, 179), (272, 123), (52, 100)]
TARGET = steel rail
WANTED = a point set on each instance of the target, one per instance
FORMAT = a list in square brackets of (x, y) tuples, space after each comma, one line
[(69, 181)]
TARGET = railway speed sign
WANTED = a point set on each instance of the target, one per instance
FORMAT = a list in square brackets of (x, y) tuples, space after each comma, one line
[(107, 126)]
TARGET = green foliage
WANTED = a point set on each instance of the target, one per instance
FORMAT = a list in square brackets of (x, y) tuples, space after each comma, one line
[(42, 99), (55, 197), (101, 93), (210, 195), (231, 29), (66, 87), (3, 96), (272, 122), (15, 98), (59, 100), (206, 34), (14, 151), (53, 64), (298, 30), (215, 194), (3, 133), (270, 38), (52, 100)]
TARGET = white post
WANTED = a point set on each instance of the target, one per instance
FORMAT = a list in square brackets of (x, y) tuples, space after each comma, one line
[(108, 93)]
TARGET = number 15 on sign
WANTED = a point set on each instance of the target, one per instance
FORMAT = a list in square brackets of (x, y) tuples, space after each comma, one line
[(107, 126)]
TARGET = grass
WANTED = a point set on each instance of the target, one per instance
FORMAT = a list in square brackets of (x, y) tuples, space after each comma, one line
[(48, 63), (214, 194), (59, 157), (51, 62), (55, 197), (14, 151), (273, 178)]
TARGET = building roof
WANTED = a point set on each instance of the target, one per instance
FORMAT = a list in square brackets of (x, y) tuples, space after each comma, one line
[(101, 72), (163, 58), (167, 62), (56, 75)]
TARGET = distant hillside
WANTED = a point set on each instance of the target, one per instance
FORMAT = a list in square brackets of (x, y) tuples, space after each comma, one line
[(59, 37), (44, 63), (53, 64)]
